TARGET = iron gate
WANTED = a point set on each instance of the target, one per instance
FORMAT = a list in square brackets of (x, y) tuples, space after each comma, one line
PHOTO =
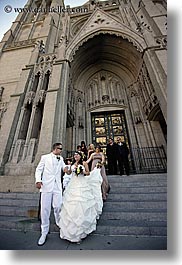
[(148, 160)]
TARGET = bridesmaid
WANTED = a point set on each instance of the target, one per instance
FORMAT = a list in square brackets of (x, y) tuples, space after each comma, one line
[(96, 157), (91, 150)]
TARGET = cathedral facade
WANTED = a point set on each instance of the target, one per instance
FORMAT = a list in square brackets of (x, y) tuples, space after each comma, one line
[(86, 73)]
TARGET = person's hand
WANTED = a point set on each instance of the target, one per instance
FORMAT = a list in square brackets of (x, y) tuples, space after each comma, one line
[(39, 185), (67, 170)]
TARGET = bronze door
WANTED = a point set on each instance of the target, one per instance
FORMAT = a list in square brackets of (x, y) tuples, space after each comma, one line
[(107, 125)]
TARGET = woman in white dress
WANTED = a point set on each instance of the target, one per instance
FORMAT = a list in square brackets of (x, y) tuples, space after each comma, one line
[(78, 213), (95, 181), (67, 177)]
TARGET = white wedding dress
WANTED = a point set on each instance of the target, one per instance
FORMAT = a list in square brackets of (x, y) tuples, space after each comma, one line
[(95, 181), (78, 213)]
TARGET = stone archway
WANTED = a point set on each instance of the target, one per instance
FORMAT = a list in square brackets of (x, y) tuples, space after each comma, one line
[(101, 71)]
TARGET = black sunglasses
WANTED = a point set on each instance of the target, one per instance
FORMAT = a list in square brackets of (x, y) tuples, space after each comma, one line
[(60, 148)]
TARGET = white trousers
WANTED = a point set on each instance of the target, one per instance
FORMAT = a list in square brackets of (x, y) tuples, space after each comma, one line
[(53, 198)]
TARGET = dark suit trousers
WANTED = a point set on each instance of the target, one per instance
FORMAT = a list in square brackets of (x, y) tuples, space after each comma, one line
[(112, 166), (124, 164)]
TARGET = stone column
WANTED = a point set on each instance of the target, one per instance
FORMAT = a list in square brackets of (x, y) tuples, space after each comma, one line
[(59, 132), (15, 152), (89, 129), (149, 140), (53, 128), (158, 79), (9, 129), (30, 128), (134, 137)]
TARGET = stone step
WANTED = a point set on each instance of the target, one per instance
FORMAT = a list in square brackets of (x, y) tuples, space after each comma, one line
[(139, 215), (119, 227), (17, 184), (136, 197), (119, 222), (33, 199), (115, 190), (139, 177), (29, 211), (30, 208), (19, 195), (138, 184), (19, 202), (137, 205), (131, 230), (19, 223), (109, 213), (27, 183)]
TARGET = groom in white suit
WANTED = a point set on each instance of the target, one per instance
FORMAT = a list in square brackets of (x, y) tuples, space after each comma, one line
[(48, 180)]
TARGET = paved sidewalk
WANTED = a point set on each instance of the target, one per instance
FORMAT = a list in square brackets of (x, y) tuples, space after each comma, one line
[(15, 240)]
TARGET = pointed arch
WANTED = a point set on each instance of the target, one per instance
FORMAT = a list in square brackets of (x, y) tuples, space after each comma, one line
[(101, 22)]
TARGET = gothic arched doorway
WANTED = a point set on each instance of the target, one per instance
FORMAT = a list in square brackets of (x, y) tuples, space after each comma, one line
[(108, 75), (101, 71)]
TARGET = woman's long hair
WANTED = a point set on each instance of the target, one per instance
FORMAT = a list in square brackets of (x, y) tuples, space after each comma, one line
[(99, 147), (81, 159)]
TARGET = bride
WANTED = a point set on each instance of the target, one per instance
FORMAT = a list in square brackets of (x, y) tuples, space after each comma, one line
[(78, 213)]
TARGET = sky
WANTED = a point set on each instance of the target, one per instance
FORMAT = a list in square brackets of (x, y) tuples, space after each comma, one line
[(6, 18)]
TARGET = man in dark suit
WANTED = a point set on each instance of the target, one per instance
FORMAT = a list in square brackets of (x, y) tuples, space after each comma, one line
[(123, 153), (111, 152)]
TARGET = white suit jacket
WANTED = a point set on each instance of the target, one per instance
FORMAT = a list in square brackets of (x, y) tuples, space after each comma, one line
[(47, 173)]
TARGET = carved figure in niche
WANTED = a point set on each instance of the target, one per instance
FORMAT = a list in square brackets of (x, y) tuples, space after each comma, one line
[(93, 4), (41, 46), (3, 109)]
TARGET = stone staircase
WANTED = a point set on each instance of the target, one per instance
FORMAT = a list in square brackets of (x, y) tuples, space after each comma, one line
[(136, 205)]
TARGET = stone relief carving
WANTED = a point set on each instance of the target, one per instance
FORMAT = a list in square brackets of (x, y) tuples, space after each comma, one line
[(104, 88), (41, 95), (41, 46), (21, 44), (30, 97), (161, 41), (3, 109), (137, 117), (45, 63), (103, 23)]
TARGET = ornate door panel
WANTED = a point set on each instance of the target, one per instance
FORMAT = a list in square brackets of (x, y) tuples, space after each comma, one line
[(107, 125)]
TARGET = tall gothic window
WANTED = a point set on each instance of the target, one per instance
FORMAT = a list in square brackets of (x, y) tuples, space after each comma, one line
[(36, 82), (25, 122), (37, 121), (46, 81)]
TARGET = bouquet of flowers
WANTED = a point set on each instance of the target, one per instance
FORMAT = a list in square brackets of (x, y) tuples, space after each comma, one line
[(78, 170)]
